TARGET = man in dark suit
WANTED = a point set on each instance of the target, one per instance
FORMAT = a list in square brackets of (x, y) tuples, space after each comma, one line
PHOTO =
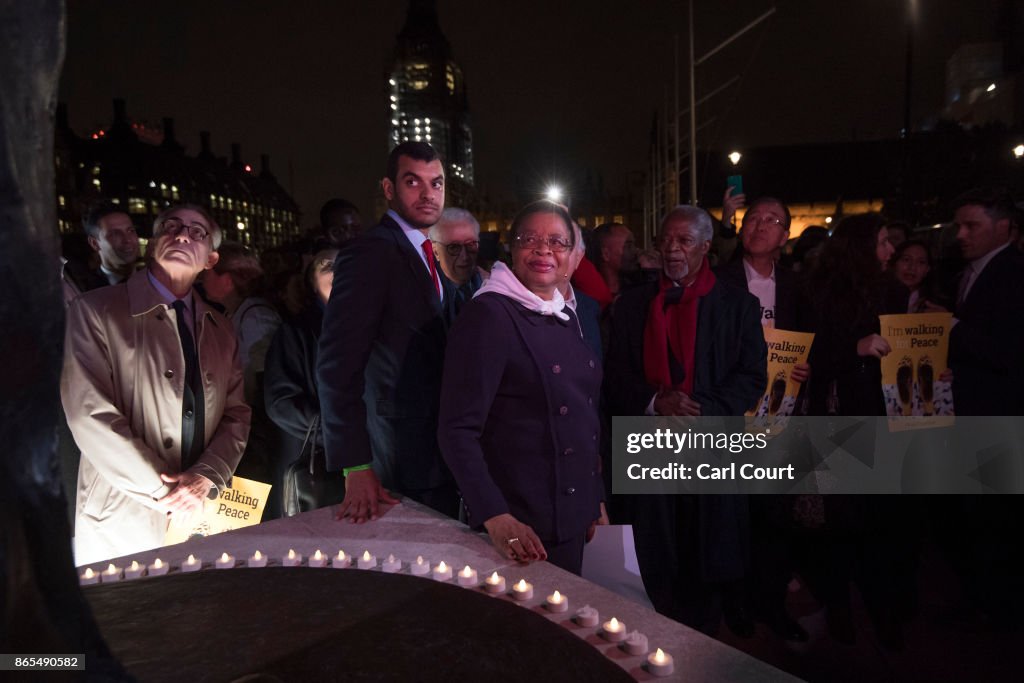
[(688, 345), (112, 236), (382, 348), (765, 230), (984, 345), (988, 370)]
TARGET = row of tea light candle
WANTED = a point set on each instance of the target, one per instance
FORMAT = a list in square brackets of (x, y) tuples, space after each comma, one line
[(658, 663)]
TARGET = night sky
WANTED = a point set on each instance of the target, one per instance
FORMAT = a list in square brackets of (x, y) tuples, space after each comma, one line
[(554, 88)]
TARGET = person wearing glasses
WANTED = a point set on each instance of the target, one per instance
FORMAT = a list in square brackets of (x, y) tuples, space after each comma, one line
[(756, 268), (153, 394), (456, 241), (688, 345), (519, 425)]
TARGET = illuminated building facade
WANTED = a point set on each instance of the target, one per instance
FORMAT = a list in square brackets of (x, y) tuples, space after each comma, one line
[(145, 169), (427, 97)]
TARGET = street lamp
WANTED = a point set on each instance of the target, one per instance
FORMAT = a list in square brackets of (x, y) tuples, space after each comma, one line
[(991, 87), (554, 193), (1018, 152), (735, 157)]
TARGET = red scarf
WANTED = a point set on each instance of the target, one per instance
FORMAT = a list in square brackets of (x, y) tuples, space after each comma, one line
[(675, 328)]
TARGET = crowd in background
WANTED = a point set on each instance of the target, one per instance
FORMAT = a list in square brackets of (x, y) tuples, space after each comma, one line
[(360, 346)]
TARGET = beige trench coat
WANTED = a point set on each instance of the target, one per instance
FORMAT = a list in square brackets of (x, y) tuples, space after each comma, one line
[(122, 390)]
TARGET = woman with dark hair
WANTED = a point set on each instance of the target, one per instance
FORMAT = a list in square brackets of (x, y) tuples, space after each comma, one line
[(290, 388), (912, 266), (518, 424), (874, 542)]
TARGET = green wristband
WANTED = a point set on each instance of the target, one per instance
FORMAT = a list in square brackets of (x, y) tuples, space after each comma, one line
[(358, 468)]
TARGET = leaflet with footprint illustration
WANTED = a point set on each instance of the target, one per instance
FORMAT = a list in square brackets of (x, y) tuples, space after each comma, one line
[(785, 350), (911, 372)]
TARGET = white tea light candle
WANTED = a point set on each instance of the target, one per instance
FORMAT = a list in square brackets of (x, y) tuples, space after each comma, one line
[(467, 577), (367, 561), (635, 643), (613, 630), (442, 572), (419, 567), (135, 571), (292, 559), (522, 590), (341, 560), (225, 561), (191, 564), (587, 616), (158, 568), (391, 565), (111, 574), (88, 577), (494, 583), (660, 663), (556, 602), (318, 559), (258, 560)]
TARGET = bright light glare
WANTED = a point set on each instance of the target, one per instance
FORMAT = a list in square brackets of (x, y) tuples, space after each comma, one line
[(554, 193), (1018, 151), (991, 87), (735, 157)]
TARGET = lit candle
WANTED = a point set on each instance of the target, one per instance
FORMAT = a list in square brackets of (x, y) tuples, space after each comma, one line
[(367, 561), (467, 577), (341, 560), (442, 572), (522, 590), (391, 565), (614, 631), (635, 643), (292, 559), (660, 663), (111, 574), (587, 616), (318, 559), (135, 571), (191, 564), (258, 559), (556, 602), (88, 577), (158, 568), (494, 583), (419, 567), (225, 562)]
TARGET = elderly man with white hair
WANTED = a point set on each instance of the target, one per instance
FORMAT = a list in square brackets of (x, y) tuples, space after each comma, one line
[(692, 345), (456, 242)]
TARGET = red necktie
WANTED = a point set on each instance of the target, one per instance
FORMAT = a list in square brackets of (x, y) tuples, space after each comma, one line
[(428, 251)]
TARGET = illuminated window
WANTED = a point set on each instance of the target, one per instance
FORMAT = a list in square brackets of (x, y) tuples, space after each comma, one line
[(449, 77), (136, 205), (61, 201), (618, 219), (582, 220), (598, 220), (96, 170), (419, 85)]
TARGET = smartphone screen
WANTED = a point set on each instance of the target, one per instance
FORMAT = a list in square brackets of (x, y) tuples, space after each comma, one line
[(736, 183)]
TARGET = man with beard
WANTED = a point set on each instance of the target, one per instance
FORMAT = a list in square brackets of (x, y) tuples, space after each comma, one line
[(382, 348), (688, 345)]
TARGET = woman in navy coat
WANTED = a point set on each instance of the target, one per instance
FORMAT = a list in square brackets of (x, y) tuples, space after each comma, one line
[(519, 424)]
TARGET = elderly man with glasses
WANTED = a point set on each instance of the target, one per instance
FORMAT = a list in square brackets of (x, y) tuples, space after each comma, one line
[(456, 241), (153, 393)]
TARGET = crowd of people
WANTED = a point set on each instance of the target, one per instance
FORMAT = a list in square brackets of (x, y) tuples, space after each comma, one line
[(362, 366)]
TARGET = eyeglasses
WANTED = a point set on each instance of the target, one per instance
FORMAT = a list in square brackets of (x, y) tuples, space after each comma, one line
[(173, 227), (555, 244), (455, 248), (763, 219)]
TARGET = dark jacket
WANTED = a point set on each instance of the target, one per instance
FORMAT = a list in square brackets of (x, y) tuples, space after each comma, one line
[(857, 379), (791, 310), (289, 379), (588, 312), (380, 359), (519, 424), (985, 345), (685, 542), (731, 355)]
